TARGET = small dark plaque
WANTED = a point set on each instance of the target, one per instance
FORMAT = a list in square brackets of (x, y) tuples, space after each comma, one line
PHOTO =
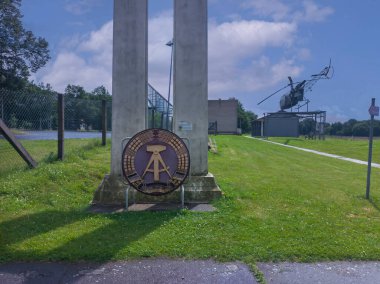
[(155, 162)]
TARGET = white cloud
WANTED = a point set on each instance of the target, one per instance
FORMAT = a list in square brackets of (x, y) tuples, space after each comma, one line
[(313, 13), (335, 113), (272, 8), (280, 10), (258, 75), (80, 7), (237, 57), (70, 68), (236, 61)]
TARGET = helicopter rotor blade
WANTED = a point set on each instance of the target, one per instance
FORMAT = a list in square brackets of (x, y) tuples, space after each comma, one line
[(271, 95), (325, 73)]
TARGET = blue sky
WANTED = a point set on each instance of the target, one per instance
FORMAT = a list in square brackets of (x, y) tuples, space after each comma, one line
[(253, 46)]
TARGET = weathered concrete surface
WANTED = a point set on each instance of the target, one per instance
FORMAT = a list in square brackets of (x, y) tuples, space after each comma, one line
[(129, 74), (191, 91), (143, 271), (190, 79), (198, 189), (129, 84), (326, 273), (138, 207)]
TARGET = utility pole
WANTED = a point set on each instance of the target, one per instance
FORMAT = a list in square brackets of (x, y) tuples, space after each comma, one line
[(171, 44)]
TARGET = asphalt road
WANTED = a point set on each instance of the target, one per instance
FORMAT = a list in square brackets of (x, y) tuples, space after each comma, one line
[(142, 271), (188, 271)]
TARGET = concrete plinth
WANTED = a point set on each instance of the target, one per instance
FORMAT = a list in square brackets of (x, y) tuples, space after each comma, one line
[(198, 189)]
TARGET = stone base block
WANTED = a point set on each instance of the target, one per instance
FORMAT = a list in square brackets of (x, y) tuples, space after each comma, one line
[(198, 189)]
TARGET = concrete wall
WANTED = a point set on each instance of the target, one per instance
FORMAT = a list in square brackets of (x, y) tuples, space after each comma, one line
[(225, 113)]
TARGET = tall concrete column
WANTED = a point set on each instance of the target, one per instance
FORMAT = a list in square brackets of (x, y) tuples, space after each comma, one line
[(190, 79), (129, 89), (191, 94), (129, 74)]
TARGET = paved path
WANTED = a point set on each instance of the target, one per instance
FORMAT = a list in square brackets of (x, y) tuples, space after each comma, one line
[(139, 271), (185, 272), (319, 153), (326, 273)]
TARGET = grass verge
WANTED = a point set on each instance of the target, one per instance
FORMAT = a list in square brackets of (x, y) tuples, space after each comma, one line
[(346, 147), (279, 204)]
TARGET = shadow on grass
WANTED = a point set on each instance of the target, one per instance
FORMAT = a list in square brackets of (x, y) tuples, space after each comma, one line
[(90, 237), (289, 140), (374, 204)]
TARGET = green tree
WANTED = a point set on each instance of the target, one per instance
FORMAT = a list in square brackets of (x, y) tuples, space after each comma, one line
[(101, 93), (245, 118), (21, 52), (307, 126), (75, 92), (361, 128), (348, 126), (83, 109), (336, 128)]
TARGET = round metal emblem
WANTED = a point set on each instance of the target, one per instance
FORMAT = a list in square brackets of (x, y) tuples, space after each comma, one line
[(155, 161)]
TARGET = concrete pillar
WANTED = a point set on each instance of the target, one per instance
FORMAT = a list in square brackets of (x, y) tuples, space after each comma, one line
[(129, 89), (190, 79), (129, 74)]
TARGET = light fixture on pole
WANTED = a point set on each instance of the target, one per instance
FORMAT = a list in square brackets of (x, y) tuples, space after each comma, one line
[(170, 44)]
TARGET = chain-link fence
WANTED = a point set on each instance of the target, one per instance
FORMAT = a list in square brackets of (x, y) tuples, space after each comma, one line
[(33, 118), (26, 113)]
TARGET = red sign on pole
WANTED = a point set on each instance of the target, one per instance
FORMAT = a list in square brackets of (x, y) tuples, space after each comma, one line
[(374, 110)]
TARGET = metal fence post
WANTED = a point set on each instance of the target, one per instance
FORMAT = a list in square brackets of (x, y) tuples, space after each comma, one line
[(61, 126), (2, 104), (104, 122), (370, 152)]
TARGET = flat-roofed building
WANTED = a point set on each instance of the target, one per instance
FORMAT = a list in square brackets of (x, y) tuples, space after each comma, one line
[(280, 124), (223, 116)]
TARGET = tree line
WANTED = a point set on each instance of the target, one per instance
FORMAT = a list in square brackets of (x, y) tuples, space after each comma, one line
[(352, 127)]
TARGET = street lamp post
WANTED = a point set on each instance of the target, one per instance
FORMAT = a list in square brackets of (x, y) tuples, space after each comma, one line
[(171, 44)]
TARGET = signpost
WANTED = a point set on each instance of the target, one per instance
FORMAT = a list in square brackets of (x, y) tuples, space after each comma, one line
[(373, 111)]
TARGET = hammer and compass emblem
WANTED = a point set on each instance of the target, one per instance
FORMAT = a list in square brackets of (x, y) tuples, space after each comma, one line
[(155, 161)]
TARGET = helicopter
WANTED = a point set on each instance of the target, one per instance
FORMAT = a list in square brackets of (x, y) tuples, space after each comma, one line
[(296, 94)]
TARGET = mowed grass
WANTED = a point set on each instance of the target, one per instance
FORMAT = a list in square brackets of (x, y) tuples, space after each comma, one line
[(346, 147), (279, 204), (40, 150)]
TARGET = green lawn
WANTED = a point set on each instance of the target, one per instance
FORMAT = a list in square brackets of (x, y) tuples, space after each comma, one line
[(40, 150), (278, 204), (347, 147)]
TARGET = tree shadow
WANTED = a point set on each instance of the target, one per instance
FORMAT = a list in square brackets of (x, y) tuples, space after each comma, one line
[(91, 237)]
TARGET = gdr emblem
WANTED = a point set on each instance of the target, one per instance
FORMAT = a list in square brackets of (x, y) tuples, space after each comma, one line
[(155, 161)]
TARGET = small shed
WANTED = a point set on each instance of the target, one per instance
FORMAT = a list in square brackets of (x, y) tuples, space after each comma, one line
[(278, 124)]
